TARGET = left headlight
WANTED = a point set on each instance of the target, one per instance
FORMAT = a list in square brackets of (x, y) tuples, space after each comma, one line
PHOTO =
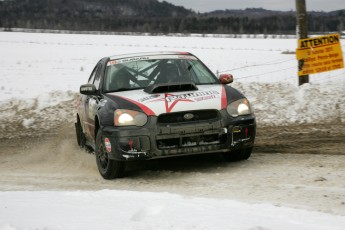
[(239, 107), (125, 117)]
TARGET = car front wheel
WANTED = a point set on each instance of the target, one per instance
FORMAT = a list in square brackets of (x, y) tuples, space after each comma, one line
[(108, 168)]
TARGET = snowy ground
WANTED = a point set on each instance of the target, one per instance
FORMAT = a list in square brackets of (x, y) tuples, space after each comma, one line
[(109, 209), (41, 185)]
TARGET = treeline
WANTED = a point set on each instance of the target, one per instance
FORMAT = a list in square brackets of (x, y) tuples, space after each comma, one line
[(152, 16)]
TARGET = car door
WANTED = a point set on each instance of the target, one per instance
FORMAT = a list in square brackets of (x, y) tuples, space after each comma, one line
[(90, 102)]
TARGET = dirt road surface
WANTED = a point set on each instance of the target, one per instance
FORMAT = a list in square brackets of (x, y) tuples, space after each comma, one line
[(300, 166)]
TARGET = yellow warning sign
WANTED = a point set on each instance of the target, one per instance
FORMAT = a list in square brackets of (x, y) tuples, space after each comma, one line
[(319, 54)]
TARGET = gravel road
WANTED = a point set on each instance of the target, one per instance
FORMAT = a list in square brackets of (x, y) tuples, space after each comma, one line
[(297, 166)]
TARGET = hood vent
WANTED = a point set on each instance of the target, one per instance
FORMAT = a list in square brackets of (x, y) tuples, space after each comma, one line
[(171, 87)]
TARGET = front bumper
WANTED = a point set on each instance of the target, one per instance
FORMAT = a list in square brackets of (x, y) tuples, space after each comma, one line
[(158, 141)]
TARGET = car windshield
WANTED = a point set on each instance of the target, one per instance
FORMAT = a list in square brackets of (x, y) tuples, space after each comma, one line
[(140, 72)]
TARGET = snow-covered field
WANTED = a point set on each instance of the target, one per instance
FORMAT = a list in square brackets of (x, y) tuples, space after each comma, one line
[(39, 71)]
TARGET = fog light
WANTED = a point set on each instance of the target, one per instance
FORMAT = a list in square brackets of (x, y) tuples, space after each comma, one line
[(236, 129)]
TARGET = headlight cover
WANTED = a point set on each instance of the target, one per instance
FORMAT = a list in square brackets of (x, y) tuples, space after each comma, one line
[(239, 107), (125, 117)]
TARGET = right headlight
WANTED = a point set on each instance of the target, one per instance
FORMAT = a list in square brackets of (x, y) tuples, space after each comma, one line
[(239, 107)]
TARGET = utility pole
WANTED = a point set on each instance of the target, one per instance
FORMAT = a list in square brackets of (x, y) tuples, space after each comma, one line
[(302, 32)]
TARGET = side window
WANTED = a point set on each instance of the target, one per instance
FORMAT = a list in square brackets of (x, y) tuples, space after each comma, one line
[(98, 76), (93, 74), (201, 75)]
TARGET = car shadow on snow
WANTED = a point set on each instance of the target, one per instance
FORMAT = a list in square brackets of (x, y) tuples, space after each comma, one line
[(203, 163)]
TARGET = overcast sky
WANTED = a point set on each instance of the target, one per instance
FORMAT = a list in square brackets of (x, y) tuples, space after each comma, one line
[(283, 5)]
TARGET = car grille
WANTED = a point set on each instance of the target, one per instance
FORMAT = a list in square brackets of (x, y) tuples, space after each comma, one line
[(188, 116), (191, 141)]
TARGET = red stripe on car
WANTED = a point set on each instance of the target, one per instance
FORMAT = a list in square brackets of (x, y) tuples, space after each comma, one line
[(144, 108), (224, 99)]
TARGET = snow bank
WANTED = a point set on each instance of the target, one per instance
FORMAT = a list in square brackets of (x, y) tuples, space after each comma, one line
[(37, 116), (286, 104), (109, 209)]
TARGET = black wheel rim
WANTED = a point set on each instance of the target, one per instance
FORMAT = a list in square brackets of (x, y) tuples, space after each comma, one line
[(102, 156)]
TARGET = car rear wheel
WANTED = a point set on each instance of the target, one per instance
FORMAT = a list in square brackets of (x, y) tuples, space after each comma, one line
[(108, 168), (238, 155), (81, 139)]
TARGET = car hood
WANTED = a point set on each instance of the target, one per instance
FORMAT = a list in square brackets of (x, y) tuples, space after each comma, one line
[(206, 97)]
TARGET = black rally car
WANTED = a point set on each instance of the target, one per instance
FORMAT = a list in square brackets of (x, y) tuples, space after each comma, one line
[(153, 105)]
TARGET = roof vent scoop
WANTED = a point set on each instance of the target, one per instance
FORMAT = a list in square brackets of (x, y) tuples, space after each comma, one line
[(171, 87)]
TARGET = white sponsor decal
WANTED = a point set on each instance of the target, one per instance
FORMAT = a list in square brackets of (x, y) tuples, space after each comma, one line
[(149, 98), (92, 105), (197, 96), (107, 144)]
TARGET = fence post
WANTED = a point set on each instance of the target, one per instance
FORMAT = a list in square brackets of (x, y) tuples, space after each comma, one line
[(302, 32)]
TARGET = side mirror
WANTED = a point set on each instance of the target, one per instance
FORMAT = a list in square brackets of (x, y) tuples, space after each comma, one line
[(226, 78), (88, 89)]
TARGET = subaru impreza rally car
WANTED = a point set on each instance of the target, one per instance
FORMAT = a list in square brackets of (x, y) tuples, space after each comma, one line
[(163, 104)]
